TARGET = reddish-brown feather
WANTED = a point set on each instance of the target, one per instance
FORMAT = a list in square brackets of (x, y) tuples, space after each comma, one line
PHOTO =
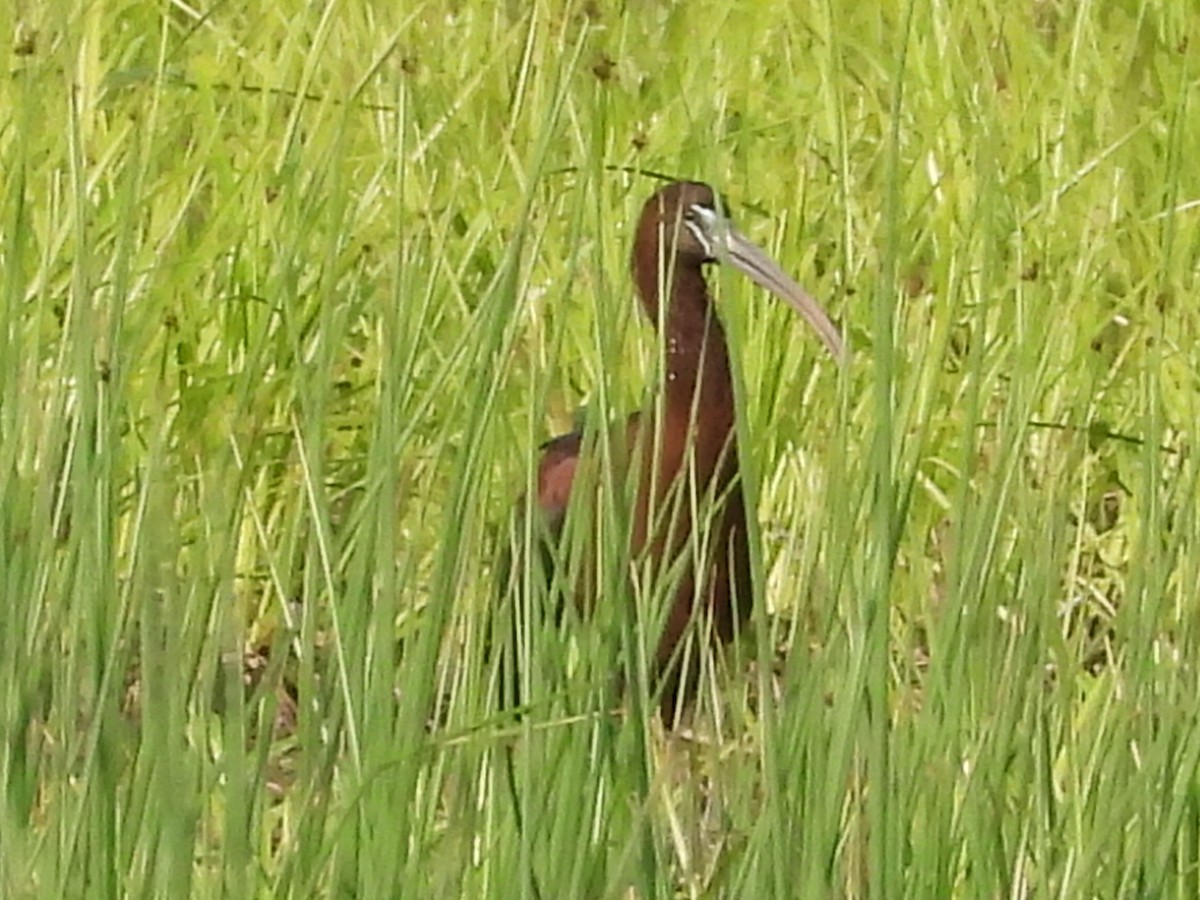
[(684, 446), (688, 450)]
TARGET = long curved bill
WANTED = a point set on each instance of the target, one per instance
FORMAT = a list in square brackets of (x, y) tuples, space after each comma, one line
[(756, 265)]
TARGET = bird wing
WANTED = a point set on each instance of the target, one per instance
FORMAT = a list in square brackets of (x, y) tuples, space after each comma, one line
[(556, 476), (557, 467)]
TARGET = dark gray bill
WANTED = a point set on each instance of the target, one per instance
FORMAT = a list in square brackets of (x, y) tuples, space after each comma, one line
[(749, 259)]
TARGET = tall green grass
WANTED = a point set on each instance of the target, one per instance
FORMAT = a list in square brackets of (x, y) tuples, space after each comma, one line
[(289, 297)]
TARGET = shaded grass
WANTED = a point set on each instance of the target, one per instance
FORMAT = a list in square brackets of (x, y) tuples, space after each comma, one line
[(290, 298)]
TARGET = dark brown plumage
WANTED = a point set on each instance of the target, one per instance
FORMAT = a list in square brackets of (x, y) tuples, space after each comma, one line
[(685, 446)]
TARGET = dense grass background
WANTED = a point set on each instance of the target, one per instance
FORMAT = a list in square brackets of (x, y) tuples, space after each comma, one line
[(289, 294)]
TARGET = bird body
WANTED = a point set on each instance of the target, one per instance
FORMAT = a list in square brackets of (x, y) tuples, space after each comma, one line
[(684, 448)]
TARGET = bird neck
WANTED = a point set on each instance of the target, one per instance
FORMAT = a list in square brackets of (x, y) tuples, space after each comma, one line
[(699, 387)]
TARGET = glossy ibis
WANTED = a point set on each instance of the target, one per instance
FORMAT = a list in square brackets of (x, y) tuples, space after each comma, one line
[(684, 447)]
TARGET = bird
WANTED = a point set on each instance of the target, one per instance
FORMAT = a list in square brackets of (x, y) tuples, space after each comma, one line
[(683, 446)]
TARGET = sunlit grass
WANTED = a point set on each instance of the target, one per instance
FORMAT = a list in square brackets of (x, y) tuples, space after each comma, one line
[(289, 298)]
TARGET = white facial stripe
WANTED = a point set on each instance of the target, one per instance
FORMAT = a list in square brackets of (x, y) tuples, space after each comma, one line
[(700, 236), (701, 227)]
